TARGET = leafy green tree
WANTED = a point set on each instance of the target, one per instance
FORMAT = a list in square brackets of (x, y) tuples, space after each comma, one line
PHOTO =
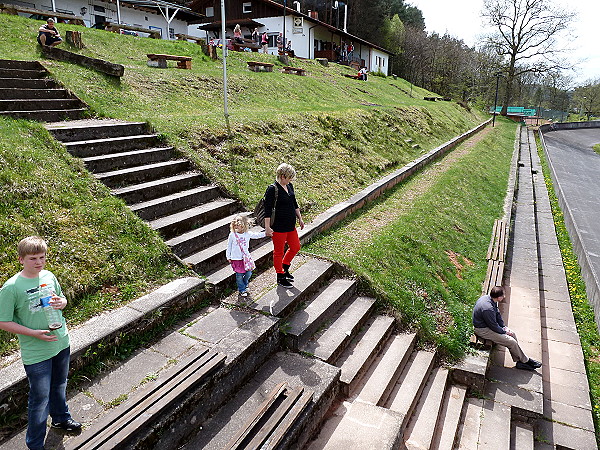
[(393, 39)]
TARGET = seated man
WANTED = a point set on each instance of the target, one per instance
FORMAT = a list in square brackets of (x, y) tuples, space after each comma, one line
[(48, 34), (488, 324)]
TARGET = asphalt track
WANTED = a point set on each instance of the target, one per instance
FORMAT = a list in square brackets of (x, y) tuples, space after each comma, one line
[(576, 174)]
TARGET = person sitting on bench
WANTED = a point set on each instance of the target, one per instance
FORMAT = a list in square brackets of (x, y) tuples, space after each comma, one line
[(488, 324), (48, 35), (362, 74)]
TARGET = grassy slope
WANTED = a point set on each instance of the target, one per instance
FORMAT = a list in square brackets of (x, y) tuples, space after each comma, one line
[(340, 134)]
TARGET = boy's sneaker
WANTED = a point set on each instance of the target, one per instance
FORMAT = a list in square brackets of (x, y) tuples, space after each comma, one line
[(244, 294), (533, 363), (524, 366), (67, 425)]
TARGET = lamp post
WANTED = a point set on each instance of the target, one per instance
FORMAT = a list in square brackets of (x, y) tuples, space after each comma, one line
[(498, 75), (225, 50), (283, 44)]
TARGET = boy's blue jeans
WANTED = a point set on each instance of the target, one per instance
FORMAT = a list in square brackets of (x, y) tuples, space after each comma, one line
[(47, 394), (242, 280)]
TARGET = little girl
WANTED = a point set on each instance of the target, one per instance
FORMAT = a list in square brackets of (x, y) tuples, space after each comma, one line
[(238, 254)]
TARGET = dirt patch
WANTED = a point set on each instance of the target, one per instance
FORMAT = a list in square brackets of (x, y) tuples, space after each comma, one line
[(455, 260)]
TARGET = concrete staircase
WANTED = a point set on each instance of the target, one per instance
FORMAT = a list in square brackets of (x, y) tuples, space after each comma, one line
[(26, 92)]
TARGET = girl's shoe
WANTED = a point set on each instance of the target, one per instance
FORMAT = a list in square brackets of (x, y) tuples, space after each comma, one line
[(283, 281), (244, 294), (287, 273)]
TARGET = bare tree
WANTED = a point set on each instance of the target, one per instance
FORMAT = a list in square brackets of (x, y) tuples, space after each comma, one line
[(525, 36)]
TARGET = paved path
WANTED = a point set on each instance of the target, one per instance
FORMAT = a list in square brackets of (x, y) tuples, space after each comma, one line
[(576, 172)]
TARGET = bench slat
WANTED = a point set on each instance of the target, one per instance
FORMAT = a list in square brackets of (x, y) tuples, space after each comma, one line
[(288, 421)]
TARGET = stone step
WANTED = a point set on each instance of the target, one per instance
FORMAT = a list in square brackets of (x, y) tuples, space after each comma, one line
[(39, 104), (356, 360), (187, 243), (23, 65), (521, 437), (412, 381), (22, 73), (51, 115), (421, 428), (97, 147), (140, 174), (360, 426), (97, 129), (381, 378), (495, 426), (281, 302), (450, 417), (182, 222), (28, 83), (212, 257), (334, 340), (223, 277), (21, 94), (293, 369), (174, 203), (304, 323), (125, 160), (158, 188)]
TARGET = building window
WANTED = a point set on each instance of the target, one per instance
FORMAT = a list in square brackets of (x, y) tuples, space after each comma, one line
[(172, 33), (247, 7), (210, 11)]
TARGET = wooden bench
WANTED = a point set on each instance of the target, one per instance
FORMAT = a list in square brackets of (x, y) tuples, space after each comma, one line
[(117, 27), (430, 99), (356, 77), (238, 47), (187, 37), (294, 70), (258, 66), (14, 9), (498, 242), (183, 62)]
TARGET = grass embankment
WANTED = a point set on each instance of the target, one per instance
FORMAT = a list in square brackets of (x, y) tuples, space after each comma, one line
[(582, 310), (340, 134), (422, 246)]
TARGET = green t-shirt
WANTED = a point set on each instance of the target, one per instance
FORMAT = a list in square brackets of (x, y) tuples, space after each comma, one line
[(20, 303)]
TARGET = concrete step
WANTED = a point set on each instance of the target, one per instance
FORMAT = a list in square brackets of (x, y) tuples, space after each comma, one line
[(39, 104), (293, 369), (381, 378), (97, 147), (97, 129), (28, 83), (421, 428), (158, 188), (495, 426), (358, 357), (23, 65), (360, 426), (303, 323), (22, 73), (187, 243), (140, 174), (412, 381), (521, 436), (468, 432), (184, 221), (309, 277), (450, 417), (334, 340), (51, 115), (174, 203), (21, 94), (124, 160)]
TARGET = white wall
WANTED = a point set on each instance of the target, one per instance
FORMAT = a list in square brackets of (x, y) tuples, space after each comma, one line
[(379, 61)]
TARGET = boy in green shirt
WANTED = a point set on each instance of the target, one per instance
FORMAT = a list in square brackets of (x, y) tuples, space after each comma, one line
[(45, 352)]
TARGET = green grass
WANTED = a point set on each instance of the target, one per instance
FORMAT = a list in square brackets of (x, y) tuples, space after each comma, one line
[(422, 247), (582, 310), (596, 148)]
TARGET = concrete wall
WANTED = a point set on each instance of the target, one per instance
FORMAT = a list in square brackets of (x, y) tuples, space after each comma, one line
[(590, 277)]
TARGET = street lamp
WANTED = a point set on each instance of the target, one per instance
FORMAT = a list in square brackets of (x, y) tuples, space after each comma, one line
[(498, 75)]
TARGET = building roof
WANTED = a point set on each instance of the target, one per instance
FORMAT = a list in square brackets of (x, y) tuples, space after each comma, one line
[(186, 14)]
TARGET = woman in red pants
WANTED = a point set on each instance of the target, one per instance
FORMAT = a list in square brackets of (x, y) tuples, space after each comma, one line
[(281, 212)]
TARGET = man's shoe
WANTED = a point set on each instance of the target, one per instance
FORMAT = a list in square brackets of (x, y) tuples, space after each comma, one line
[(287, 273), (524, 366), (67, 425), (283, 281), (533, 363)]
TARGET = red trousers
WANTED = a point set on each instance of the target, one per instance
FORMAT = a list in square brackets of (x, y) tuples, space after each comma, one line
[(279, 241)]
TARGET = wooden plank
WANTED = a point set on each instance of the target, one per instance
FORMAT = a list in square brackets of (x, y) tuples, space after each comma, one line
[(288, 421), (245, 430), (77, 20), (492, 240), (154, 56), (111, 26), (503, 241)]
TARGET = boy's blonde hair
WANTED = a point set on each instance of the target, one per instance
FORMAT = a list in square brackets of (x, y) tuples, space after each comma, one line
[(31, 245), (287, 171), (243, 221)]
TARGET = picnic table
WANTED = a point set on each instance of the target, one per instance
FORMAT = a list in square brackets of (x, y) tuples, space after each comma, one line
[(247, 43), (187, 37), (183, 62), (259, 66), (294, 70), (117, 27)]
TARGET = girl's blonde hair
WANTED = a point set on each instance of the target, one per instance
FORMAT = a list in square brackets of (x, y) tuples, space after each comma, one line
[(287, 171), (242, 221)]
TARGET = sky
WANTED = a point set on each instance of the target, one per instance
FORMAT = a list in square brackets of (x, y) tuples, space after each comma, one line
[(462, 19)]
